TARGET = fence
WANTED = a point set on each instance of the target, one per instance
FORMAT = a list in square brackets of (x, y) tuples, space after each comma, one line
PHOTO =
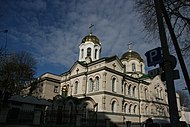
[(65, 118), (19, 116), (79, 118)]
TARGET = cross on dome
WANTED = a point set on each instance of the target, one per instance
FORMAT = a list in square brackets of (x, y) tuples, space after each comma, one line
[(90, 28), (130, 46)]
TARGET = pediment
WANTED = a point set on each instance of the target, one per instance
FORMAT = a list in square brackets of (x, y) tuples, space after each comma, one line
[(157, 82), (115, 63), (77, 68)]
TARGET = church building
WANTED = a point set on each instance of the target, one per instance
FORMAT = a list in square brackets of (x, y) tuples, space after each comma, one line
[(115, 87)]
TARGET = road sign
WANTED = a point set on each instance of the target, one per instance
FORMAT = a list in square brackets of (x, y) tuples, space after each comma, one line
[(175, 74), (154, 57), (154, 72), (173, 61)]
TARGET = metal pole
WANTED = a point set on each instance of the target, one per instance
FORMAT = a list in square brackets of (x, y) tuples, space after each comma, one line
[(176, 46), (173, 110)]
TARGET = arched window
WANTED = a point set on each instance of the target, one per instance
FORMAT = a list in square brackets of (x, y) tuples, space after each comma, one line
[(122, 87), (76, 87), (97, 83), (161, 96), (129, 90), (145, 93), (130, 108), (133, 67), (125, 89), (90, 85), (113, 106), (157, 92), (114, 85), (95, 53), (88, 51), (135, 109), (125, 108), (134, 91), (82, 53), (141, 68), (146, 110)]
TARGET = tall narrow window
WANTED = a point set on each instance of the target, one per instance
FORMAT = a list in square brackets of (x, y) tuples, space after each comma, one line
[(90, 85), (97, 83), (113, 106), (141, 68), (82, 53), (130, 108), (146, 110), (76, 87), (157, 93), (125, 108), (134, 91), (134, 109), (113, 84), (124, 89), (95, 54), (129, 90), (89, 52), (145, 93), (133, 67), (161, 96)]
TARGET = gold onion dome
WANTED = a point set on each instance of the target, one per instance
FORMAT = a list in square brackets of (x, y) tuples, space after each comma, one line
[(91, 38), (131, 54)]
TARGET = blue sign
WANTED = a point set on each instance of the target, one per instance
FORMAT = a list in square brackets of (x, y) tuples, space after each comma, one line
[(154, 57)]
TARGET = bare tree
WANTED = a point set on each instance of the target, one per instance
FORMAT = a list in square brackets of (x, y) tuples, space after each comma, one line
[(179, 13), (184, 99), (16, 70)]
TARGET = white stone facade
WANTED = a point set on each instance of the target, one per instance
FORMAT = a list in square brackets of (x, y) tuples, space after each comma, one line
[(119, 86)]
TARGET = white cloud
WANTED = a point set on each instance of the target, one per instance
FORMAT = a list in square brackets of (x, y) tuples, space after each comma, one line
[(53, 30)]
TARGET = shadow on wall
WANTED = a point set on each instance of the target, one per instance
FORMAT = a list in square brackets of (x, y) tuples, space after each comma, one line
[(61, 111)]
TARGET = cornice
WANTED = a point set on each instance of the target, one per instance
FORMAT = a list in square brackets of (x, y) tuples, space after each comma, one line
[(49, 79)]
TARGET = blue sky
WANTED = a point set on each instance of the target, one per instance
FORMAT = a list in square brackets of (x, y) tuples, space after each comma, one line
[(52, 30)]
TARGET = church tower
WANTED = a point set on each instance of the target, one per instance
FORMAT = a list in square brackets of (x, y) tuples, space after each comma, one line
[(90, 48), (134, 64)]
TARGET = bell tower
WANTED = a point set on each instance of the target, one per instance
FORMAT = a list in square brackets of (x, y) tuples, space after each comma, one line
[(90, 48)]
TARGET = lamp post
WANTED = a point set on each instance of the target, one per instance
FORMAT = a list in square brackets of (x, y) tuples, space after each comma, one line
[(173, 110)]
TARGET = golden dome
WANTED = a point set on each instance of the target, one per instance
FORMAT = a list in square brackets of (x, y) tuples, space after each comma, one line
[(131, 54), (91, 38)]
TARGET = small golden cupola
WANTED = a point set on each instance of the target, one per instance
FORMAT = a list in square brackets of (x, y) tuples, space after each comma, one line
[(90, 48), (133, 62), (91, 38), (132, 55)]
